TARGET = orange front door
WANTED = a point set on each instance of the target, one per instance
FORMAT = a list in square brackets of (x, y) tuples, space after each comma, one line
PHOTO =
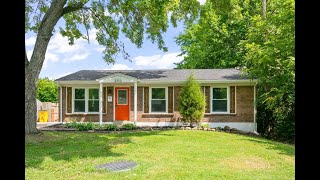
[(122, 103)]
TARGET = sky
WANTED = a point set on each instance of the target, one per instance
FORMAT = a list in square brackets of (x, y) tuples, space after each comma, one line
[(62, 59)]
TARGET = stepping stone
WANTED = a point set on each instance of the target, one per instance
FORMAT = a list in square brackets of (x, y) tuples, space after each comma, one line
[(117, 166)]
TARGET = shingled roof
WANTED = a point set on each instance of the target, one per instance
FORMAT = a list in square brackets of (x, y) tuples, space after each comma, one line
[(158, 75)]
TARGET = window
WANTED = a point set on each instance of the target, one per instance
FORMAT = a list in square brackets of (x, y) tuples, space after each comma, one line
[(158, 100), (93, 101), (86, 100), (79, 100), (122, 96), (220, 100)]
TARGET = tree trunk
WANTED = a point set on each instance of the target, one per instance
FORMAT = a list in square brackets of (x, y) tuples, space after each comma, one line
[(34, 66), (264, 9), (30, 105)]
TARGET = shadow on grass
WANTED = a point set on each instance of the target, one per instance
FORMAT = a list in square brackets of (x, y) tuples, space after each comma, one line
[(283, 148), (66, 146)]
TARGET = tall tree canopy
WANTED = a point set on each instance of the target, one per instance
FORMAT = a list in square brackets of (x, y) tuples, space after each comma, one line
[(136, 19), (213, 41), (47, 90), (258, 38)]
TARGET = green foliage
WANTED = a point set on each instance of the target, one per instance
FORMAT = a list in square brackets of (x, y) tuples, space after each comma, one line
[(192, 101), (263, 48), (212, 42), (70, 125), (204, 125), (270, 55), (85, 126), (129, 126), (135, 19), (80, 126), (47, 90), (110, 127)]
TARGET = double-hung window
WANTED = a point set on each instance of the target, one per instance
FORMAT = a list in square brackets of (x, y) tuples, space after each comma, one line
[(158, 100), (93, 100), (220, 100), (79, 100), (86, 100)]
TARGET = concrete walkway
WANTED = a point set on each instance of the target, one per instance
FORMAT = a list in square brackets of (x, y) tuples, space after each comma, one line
[(46, 124)]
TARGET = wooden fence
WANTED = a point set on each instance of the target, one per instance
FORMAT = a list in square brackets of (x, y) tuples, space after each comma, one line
[(51, 108)]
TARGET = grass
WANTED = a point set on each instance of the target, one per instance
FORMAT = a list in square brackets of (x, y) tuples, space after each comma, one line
[(172, 154)]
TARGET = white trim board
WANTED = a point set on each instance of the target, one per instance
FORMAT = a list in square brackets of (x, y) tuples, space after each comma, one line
[(92, 122), (153, 124), (150, 98), (228, 99), (250, 127)]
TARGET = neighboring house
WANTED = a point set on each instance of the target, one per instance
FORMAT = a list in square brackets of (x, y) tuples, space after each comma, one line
[(150, 97)]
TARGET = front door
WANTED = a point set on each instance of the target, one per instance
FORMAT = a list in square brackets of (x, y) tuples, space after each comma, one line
[(122, 103)]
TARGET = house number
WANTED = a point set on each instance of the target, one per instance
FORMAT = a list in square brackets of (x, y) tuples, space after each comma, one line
[(117, 80)]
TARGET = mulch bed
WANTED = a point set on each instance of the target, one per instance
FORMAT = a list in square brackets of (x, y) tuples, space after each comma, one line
[(59, 127)]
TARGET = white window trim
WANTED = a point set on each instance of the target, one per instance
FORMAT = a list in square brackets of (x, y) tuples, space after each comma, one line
[(150, 96), (86, 97), (228, 100)]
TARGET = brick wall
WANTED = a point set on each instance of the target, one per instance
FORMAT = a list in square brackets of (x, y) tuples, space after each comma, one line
[(244, 109), (67, 117)]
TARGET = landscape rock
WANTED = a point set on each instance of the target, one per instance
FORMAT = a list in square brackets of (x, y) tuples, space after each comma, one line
[(188, 128), (227, 128)]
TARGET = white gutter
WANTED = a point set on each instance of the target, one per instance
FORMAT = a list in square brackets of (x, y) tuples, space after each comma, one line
[(96, 82)]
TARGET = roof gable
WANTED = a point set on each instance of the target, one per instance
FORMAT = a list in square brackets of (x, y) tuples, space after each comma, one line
[(117, 78)]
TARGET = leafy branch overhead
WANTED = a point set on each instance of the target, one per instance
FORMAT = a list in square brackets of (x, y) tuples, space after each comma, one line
[(137, 20)]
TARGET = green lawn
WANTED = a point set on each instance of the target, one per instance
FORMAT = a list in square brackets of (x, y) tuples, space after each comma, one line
[(172, 154)]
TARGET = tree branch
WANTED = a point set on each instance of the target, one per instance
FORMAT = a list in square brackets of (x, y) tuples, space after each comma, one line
[(85, 24), (72, 8)]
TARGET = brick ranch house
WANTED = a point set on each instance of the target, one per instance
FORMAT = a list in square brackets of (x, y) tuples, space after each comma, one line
[(151, 97)]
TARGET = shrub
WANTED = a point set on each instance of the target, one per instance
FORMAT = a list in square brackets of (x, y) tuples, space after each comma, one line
[(111, 127), (219, 128), (70, 125), (128, 126), (85, 126), (192, 102), (206, 125)]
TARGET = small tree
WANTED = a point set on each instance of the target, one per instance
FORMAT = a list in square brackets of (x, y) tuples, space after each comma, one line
[(192, 102), (47, 90)]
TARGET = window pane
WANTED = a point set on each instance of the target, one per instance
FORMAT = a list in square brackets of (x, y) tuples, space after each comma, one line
[(122, 96), (79, 93), (158, 105), (79, 105), (93, 106), (219, 93), (93, 93), (158, 93), (219, 105)]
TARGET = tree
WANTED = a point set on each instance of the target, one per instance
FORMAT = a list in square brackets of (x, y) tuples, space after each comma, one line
[(270, 55), (133, 18), (47, 90), (192, 101), (212, 42), (261, 44)]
